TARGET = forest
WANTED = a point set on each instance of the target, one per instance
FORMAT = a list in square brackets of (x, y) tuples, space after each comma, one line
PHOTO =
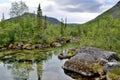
[(33, 28), (102, 32)]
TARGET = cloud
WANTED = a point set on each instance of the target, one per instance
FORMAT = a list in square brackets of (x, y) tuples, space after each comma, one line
[(73, 17), (77, 11), (78, 5), (105, 7), (82, 8), (107, 1), (90, 6), (4, 8)]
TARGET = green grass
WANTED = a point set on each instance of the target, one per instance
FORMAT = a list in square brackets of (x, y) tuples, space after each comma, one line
[(115, 74)]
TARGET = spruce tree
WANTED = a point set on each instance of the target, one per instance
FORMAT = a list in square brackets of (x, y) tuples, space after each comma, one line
[(62, 26), (39, 27), (3, 17), (39, 18), (65, 22), (45, 22)]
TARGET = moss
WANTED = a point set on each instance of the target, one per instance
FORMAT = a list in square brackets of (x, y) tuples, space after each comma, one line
[(98, 68), (24, 55), (115, 74), (71, 53)]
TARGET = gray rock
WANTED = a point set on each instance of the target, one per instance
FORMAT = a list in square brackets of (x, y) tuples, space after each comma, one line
[(86, 57), (111, 65), (98, 54)]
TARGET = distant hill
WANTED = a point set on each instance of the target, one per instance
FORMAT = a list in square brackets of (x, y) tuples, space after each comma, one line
[(49, 19)]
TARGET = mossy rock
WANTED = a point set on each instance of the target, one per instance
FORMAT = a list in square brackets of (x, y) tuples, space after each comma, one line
[(114, 74), (71, 53), (67, 54), (89, 61), (26, 45)]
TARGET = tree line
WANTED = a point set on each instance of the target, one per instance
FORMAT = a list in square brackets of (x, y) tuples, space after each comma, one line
[(31, 29)]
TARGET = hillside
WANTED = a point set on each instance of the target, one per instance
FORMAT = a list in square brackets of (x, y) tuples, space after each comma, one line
[(103, 31), (114, 11), (49, 19)]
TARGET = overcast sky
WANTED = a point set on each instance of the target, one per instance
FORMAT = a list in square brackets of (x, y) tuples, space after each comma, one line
[(77, 11)]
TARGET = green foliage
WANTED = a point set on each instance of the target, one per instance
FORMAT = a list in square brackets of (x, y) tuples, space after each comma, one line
[(115, 74), (102, 33), (24, 29), (71, 53)]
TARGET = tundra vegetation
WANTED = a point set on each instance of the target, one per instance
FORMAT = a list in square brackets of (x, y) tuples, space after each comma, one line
[(102, 32)]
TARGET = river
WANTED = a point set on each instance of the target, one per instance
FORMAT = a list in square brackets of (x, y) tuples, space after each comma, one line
[(48, 69)]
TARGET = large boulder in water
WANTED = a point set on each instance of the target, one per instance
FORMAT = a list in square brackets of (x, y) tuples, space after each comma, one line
[(90, 61)]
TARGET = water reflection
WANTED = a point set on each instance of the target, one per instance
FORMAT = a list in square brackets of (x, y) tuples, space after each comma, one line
[(22, 71), (32, 66)]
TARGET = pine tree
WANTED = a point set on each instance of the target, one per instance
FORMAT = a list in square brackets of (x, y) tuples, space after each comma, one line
[(45, 22), (3, 17), (39, 18), (39, 27), (62, 26), (65, 22)]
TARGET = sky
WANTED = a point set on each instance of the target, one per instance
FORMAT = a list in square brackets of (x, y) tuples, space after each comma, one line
[(76, 11)]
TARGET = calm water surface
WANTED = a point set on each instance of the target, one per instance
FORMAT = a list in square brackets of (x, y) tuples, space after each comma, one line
[(49, 69)]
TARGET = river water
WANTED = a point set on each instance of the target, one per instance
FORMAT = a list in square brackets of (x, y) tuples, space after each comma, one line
[(48, 69)]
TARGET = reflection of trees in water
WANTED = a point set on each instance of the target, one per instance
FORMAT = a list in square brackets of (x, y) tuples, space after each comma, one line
[(20, 71), (21, 65), (48, 56), (39, 65), (39, 70)]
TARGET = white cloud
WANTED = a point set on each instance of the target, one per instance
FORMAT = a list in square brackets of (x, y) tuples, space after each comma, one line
[(52, 9), (105, 7), (4, 8), (101, 1), (104, 1), (35, 3), (73, 17)]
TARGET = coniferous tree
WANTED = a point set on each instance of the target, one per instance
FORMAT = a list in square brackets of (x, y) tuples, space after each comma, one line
[(39, 26), (45, 22), (39, 18), (62, 25), (3, 17), (2, 20), (65, 22)]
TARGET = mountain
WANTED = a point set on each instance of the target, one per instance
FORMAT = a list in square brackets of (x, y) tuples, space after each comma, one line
[(49, 19), (103, 31), (113, 12)]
